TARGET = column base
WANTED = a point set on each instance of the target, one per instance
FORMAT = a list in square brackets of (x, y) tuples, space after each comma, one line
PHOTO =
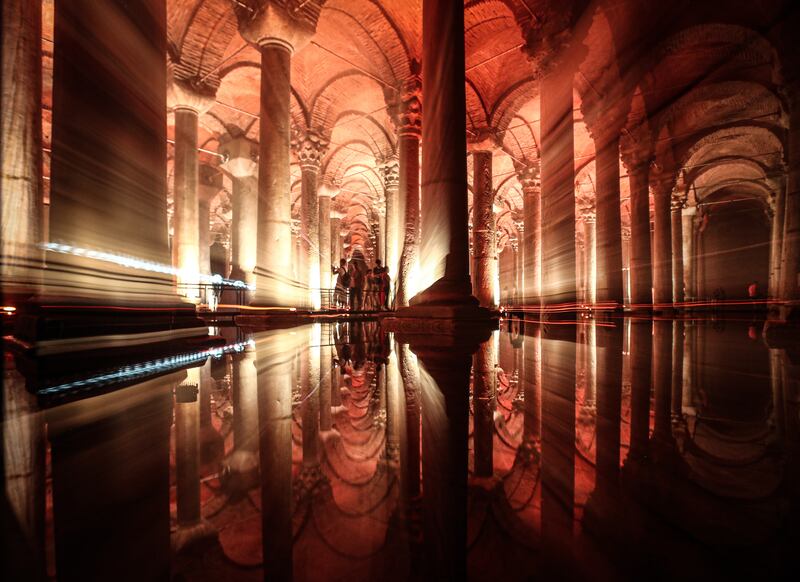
[(187, 536), (447, 292)]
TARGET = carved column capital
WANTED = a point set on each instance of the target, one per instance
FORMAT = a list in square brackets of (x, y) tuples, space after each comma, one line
[(309, 147), (239, 155), (529, 176), (390, 172), (406, 110), (289, 24), (191, 93), (209, 181)]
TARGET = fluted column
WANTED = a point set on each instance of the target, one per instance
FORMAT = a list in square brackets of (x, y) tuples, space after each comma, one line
[(21, 137), (444, 254), (662, 246), (210, 184), (240, 156), (676, 207), (641, 269), (309, 148), (609, 221), (408, 135), (484, 247), (390, 172), (531, 247)]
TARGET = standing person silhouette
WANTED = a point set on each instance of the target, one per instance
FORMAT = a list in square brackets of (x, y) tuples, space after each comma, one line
[(358, 271)]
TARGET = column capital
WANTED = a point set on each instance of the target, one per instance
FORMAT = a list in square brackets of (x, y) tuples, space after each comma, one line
[(636, 155), (529, 176), (390, 172), (288, 24), (405, 105), (678, 201), (483, 140), (626, 233), (190, 93), (327, 191), (309, 147), (239, 155), (586, 209)]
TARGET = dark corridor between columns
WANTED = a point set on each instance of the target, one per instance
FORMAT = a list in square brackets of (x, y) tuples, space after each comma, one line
[(612, 449)]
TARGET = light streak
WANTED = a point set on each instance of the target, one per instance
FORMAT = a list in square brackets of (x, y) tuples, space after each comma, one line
[(143, 369), (134, 263)]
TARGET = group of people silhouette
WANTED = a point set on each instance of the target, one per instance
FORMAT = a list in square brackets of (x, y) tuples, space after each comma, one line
[(360, 287)]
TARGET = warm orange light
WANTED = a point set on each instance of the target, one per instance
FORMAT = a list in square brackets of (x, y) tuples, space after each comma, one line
[(8, 309)]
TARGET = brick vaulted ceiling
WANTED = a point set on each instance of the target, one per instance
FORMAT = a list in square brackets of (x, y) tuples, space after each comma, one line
[(696, 87)]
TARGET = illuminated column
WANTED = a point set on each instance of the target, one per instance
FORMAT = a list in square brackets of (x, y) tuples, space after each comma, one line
[(240, 156), (210, 185), (336, 236), (108, 167), (608, 275), (277, 33), (531, 245), (21, 137), (688, 252), (641, 269), (444, 252), (484, 247), (626, 265), (590, 255), (309, 148), (790, 258), (591, 370), (677, 204), (409, 132), (580, 264), (325, 256), (390, 172), (380, 237), (662, 246), (775, 209), (558, 188), (188, 101), (519, 264)]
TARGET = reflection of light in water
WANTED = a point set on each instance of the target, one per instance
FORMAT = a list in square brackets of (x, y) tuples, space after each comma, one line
[(143, 369)]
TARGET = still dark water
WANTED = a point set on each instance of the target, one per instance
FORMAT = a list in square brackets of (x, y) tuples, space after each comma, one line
[(606, 450)]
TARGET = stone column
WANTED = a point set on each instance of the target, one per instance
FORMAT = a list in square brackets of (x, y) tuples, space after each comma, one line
[(240, 155), (662, 246), (336, 236), (626, 266), (390, 172), (277, 33), (210, 184), (324, 195), (580, 265), (677, 204), (309, 148), (408, 135), (21, 137), (380, 238), (688, 253), (188, 101), (790, 258), (641, 270), (609, 221), (444, 254), (531, 246), (483, 228), (558, 188), (590, 254)]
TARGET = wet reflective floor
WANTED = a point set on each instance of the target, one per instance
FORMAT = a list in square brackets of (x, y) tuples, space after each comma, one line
[(603, 450)]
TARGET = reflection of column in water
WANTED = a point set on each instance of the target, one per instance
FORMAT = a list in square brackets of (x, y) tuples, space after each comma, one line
[(483, 404), (275, 426), (532, 386), (591, 363), (641, 357), (558, 435), (410, 375), (110, 471), (662, 379), (776, 383), (310, 382), (243, 460), (326, 385), (677, 370), (445, 425), (24, 459), (396, 447), (609, 396)]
